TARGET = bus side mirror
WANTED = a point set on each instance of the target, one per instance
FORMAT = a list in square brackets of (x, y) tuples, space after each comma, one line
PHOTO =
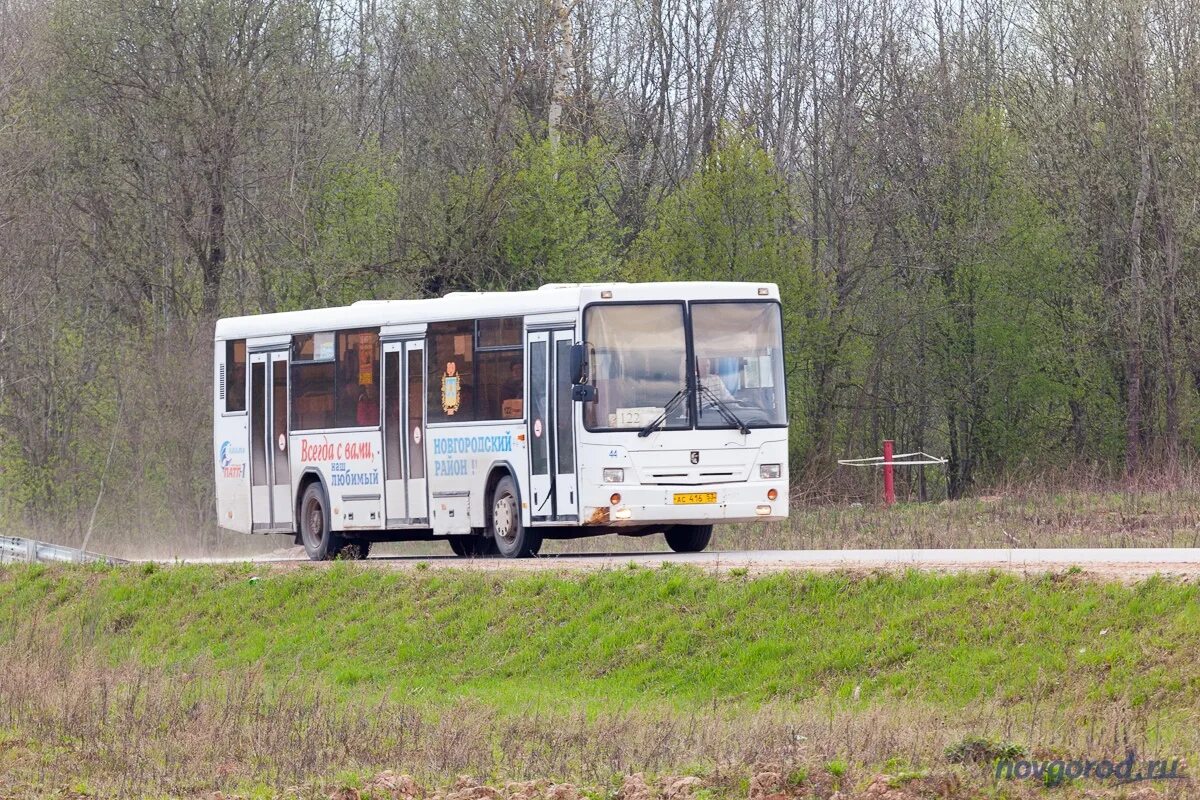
[(578, 363), (580, 392)]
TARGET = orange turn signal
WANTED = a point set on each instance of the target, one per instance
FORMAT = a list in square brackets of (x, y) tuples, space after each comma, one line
[(772, 494), (615, 499)]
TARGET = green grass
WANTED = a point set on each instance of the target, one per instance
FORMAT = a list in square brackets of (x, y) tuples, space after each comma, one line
[(145, 681), (625, 638)]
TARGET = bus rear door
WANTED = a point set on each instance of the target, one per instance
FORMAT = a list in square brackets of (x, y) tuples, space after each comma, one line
[(403, 433)]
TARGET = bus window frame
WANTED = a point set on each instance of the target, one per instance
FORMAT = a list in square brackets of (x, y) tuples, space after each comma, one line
[(782, 357), (292, 362), (224, 403), (689, 356), (521, 347)]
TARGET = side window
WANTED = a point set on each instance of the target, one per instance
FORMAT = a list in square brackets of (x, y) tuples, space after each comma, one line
[(357, 402), (501, 332), (501, 379), (475, 370), (235, 375), (312, 381), (451, 367), (335, 380), (501, 384)]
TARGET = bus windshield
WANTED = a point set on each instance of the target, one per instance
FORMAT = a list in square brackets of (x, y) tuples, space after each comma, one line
[(638, 354), (739, 363), (638, 357)]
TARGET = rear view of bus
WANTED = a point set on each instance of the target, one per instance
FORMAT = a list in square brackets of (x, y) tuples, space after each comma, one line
[(494, 421), (684, 422)]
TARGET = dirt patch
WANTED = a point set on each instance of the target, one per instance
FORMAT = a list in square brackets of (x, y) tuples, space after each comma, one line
[(634, 787), (766, 785), (681, 788), (889, 787), (394, 786), (467, 788), (526, 790)]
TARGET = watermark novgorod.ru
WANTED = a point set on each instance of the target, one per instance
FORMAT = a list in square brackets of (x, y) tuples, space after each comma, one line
[(1130, 770)]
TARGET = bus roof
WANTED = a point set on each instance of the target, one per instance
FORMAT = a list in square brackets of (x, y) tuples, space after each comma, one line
[(560, 297)]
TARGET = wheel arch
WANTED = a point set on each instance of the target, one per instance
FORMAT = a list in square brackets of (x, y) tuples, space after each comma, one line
[(499, 471), (308, 477)]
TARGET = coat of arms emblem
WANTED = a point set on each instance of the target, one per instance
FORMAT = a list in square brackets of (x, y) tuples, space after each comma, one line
[(450, 389)]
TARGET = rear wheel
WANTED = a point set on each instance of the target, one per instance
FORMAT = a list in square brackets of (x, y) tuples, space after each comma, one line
[(512, 539), (316, 532), (689, 538)]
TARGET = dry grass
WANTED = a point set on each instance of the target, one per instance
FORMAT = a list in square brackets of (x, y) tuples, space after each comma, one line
[(78, 718), (74, 725)]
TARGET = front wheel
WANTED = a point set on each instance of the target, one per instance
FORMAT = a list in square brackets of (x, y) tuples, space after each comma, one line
[(513, 540), (689, 538), (316, 532)]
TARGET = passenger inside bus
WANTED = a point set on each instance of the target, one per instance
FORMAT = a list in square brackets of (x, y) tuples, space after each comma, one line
[(367, 409), (358, 392), (350, 391), (512, 393), (368, 405), (711, 380)]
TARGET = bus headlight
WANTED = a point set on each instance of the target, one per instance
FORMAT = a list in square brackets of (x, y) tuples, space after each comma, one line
[(769, 472), (614, 475)]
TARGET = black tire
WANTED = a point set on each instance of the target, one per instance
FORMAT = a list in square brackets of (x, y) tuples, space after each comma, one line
[(354, 550), (512, 539), (471, 546), (689, 538), (316, 531)]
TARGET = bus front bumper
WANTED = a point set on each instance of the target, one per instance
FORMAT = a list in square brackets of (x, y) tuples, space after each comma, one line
[(641, 505)]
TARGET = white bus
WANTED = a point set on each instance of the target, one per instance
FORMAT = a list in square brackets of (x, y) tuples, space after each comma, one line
[(497, 420)]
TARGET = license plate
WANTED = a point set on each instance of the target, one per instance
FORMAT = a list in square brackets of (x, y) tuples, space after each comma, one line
[(695, 498)]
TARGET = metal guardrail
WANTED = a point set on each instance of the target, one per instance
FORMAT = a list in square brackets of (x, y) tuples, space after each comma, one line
[(15, 550)]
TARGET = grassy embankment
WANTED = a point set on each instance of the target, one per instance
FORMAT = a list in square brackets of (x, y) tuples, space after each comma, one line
[(182, 680)]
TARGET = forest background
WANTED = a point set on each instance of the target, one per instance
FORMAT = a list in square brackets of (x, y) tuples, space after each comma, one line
[(981, 214)]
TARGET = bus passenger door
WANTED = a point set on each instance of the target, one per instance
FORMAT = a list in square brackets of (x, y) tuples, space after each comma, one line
[(404, 433), (541, 504), (566, 500), (414, 431), (281, 467), (395, 502), (270, 468)]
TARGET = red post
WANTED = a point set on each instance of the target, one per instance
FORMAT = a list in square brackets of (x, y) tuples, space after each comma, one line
[(889, 486)]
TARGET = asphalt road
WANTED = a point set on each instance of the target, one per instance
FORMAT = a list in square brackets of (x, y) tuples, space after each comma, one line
[(1126, 563)]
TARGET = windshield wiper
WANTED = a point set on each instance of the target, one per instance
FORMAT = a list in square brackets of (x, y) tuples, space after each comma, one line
[(725, 411), (661, 419)]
